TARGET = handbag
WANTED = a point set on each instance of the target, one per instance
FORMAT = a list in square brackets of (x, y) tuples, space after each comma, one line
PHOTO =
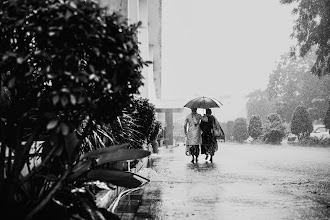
[(188, 150), (217, 130)]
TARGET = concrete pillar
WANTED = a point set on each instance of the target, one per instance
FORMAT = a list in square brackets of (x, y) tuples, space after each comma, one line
[(169, 126), (155, 40), (143, 38), (169, 122), (151, 78)]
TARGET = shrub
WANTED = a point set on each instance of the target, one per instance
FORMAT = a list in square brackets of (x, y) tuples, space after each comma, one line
[(301, 124), (62, 62), (274, 129), (229, 131), (240, 129), (255, 126), (144, 114), (156, 129), (314, 141)]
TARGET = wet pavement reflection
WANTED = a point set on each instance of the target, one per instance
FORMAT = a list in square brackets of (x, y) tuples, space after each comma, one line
[(245, 181)]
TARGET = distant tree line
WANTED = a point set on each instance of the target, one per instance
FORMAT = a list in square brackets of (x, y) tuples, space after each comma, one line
[(273, 130)]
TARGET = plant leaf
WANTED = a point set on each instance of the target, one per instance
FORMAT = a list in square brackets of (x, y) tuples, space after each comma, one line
[(122, 154), (97, 153), (79, 169), (52, 124), (71, 140), (119, 178)]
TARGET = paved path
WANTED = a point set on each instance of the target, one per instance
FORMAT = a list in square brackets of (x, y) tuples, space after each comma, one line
[(244, 182)]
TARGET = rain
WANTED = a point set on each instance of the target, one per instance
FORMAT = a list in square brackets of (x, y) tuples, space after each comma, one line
[(165, 109)]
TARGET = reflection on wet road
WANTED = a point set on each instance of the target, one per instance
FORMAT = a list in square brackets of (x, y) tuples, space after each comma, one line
[(243, 182)]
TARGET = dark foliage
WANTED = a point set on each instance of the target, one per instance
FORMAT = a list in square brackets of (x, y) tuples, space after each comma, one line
[(311, 28), (255, 126), (229, 131), (301, 124), (62, 62), (274, 129), (240, 129), (144, 114)]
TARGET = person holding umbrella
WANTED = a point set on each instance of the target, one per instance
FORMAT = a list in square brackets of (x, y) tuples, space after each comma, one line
[(193, 133)]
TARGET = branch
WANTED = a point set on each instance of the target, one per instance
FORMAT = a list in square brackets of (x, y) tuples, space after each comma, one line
[(36, 169), (57, 186), (23, 155)]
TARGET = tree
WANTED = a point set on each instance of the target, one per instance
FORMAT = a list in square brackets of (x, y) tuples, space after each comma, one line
[(317, 109), (291, 84), (312, 29), (259, 104), (301, 124), (240, 129), (274, 129), (255, 126), (66, 68), (327, 117), (229, 131)]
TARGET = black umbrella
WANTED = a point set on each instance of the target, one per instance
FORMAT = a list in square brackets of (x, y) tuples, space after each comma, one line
[(203, 102)]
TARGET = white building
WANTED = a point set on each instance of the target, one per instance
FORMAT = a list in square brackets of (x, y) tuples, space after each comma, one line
[(149, 12)]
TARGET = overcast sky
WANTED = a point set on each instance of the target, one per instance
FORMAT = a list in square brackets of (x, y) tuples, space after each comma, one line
[(222, 49)]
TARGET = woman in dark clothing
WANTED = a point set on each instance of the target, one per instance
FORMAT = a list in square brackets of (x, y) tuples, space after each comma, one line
[(209, 142)]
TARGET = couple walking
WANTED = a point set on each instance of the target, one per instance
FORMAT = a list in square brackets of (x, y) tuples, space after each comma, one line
[(199, 134)]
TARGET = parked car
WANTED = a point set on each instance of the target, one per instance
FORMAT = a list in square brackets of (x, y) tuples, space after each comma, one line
[(249, 140), (292, 138), (320, 132)]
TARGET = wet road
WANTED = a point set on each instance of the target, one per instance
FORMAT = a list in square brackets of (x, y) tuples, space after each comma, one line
[(245, 181)]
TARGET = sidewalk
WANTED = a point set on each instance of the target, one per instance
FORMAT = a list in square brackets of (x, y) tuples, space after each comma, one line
[(140, 204)]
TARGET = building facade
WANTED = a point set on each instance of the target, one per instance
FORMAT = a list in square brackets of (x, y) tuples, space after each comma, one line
[(149, 12)]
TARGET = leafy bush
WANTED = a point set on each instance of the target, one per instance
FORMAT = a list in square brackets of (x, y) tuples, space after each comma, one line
[(255, 126), (301, 124), (66, 66), (314, 141), (240, 129), (274, 129), (144, 114), (156, 129)]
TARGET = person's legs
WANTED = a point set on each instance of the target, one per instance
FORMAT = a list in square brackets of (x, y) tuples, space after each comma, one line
[(197, 152), (213, 149), (203, 151), (191, 149), (208, 151), (194, 152)]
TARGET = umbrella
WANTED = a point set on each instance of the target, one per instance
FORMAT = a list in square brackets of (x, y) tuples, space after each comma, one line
[(203, 102)]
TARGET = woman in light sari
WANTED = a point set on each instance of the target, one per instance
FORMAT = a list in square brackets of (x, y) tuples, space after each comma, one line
[(193, 133)]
